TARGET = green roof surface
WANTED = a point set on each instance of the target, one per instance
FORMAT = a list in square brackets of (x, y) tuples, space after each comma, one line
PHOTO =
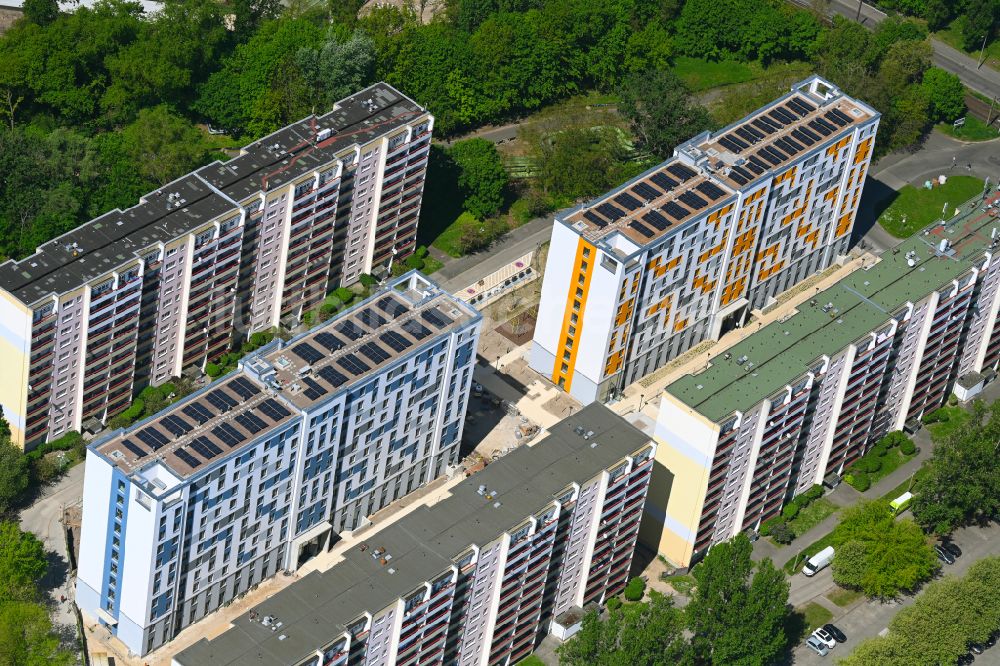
[(783, 351)]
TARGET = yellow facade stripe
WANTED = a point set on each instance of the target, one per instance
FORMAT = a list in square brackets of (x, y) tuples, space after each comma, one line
[(578, 262)]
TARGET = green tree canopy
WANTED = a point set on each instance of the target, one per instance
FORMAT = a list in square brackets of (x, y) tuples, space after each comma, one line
[(26, 637), (660, 111), (163, 145), (579, 162), (22, 563), (738, 611), (641, 634), (946, 93), (13, 474), (482, 177), (340, 66)]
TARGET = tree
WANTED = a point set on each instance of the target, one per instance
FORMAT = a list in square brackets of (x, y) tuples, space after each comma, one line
[(22, 563), (163, 145), (249, 14), (340, 66), (737, 614), (4, 427), (980, 22), (879, 555), (41, 12), (13, 474), (634, 634), (962, 483), (660, 111), (481, 177), (26, 637), (946, 93)]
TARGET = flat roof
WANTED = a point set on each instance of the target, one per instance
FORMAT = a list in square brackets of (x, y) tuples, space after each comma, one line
[(705, 172), (316, 610), (410, 314), (781, 352), (117, 237)]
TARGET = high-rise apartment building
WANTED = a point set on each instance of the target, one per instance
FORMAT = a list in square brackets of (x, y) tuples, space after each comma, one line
[(805, 397), (134, 297), (476, 578), (683, 252), (192, 507)]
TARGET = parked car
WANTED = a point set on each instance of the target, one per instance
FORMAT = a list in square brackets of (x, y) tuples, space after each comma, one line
[(834, 631), (951, 547), (943, 554), (977, 648), (818, 646), (825, 636), (992, 640), (818, 561), (965, 660)]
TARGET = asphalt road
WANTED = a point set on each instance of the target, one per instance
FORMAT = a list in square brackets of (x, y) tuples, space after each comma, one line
[(868, 618)]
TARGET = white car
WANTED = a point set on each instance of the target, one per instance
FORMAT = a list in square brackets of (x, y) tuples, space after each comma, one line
[(826, 637), (818, 646)]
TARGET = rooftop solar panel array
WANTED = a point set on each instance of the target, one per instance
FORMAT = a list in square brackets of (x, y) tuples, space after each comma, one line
[(331, 376), (175, 425), (610, 212), (692, 200), (204, 447), (391, 307), (676, 211), (436, 317), (350, 330), (800, 106), (641, 228), (655, 219), (198, 412), (627, 201), (646, 191), (353, 364), (251, 422), (329, 341), (374, 352), (371, 319), (189, 459), (220, 400), (244, 387), (137, 450), (595, 218), (314, 390), (152, 438), (416, 330), (396, 341), (682, 171), (228, 435), (663, 180), (273, 410), (307, 353), (711, 190)]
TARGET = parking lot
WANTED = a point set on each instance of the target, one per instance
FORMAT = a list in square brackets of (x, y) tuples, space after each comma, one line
[(866, 618)]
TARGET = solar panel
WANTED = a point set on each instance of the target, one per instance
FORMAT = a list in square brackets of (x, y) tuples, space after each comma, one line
[(349, 330), (272, 410), (134, 448), (371, 319), (307, 352), (627, 201), (756, 165), (641, 228), (244, 387), (837, 117), (767, 158), (692, 200), (802, 137), (221, 400), (204, 447), (328, 341), (198, 412), (663, 180), (188, 459), (800, 107), (732, 144), (752, 136), (395, 341), (595, 218), (314, 390), (766, 125), (374, 352), (175, 425), (353, 364), (646, 191), (782, 115), (821, 127), (774, 152), (681, 171), (417, 330), (436, 317), (711, 190), (391, 306), (609, 211), (740, 175), (675, 210), (809, 133), (228, 435), (332, 377), (251, 422), (656, 220), (152, 438), (795, 145)]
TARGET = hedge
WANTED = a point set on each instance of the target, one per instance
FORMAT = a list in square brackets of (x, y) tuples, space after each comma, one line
[(635, 589)]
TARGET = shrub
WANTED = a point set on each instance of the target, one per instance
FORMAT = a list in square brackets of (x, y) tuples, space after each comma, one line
[(860, 480), (937, 416), (895, 438), (814, 493), (45, 469), (614, 603), (953, 400), (782, 533), (907, 447), (635, 589), (367, 280), (422, 251), (344, 295), (308, 317), (790, 511), (212, 370), (414, 262), (768, 525)]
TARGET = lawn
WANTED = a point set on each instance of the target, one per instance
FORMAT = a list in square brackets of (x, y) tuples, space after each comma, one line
[(795, 564), (812, 515), (531, 660), (701, 74), (683, 583), (449, 238), (842, 597), (431, 265), (890, 463), (957, 417), (803, 620), (915, 208), (974, 129)]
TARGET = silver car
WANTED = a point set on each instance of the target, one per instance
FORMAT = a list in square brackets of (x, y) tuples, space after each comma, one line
[(818, 646)]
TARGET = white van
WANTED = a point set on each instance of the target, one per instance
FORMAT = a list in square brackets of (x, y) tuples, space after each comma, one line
[(818, 561)]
